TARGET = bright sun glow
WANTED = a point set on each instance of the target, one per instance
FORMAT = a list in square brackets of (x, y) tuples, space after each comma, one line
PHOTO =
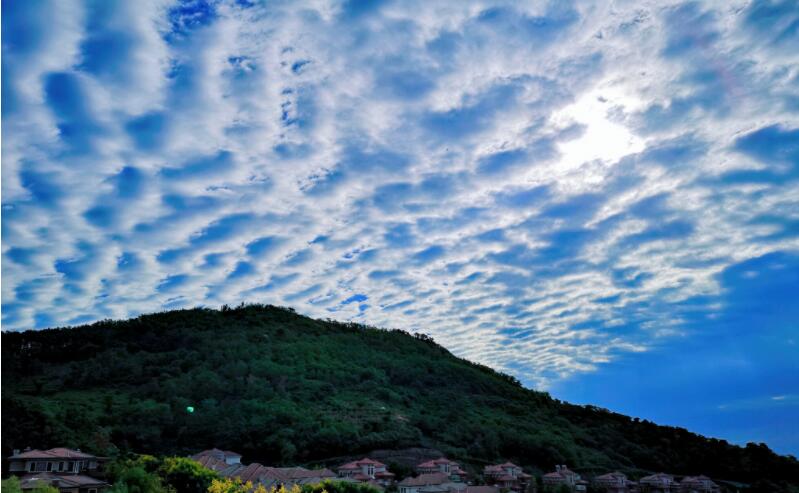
[(602, 138)]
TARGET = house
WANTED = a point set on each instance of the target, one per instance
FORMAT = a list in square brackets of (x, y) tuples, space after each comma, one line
[(276, 476), (228, 464), (658, 483), (366, 470), (442, 465), (507, 476), (698, 484), (290, 476), (66, 483), (437, 482), (615, 482), (211, 463), (60, 460), (226, 457), (564, 476)]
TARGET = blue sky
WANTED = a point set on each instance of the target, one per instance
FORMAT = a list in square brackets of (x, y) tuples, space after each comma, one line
[(601, 198)]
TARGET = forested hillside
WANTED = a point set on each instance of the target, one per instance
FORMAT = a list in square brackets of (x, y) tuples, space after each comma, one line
[(286, 389)]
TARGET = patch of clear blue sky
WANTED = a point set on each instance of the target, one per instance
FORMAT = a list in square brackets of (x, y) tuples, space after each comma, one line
[(734, 373)]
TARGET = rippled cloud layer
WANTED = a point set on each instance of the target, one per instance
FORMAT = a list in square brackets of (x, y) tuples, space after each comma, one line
[(541, 187)]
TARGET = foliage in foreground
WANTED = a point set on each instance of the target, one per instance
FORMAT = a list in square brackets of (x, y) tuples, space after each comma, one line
[(285, 389), (235, 485), (147, 474), (11, 485)]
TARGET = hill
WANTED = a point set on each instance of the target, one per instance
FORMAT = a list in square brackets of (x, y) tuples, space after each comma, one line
[(286, 389)]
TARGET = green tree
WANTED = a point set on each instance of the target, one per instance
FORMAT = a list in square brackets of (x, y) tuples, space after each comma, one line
[(136, 479), (186, 475), (11, 485), (338, 487)]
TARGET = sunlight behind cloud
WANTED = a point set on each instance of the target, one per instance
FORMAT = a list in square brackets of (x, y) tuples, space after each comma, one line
[(497, 178), (602, 139)]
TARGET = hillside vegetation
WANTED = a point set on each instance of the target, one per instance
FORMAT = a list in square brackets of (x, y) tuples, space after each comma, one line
[(281, 388)]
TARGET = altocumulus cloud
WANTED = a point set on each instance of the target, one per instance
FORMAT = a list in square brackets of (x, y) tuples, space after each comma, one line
[(542, 187)]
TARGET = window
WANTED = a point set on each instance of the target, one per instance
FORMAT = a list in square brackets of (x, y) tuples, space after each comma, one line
[(40, 466), (30, 466), (92, 490), (49, 466)]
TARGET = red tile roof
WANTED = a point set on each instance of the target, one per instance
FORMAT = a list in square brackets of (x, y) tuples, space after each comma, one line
[(303, 473), (252, 472), (435, 462), (358, 463), (699, 481), (31, 481), (219, 454), (211, 462), (426, 479), (657, 479), (53, 453), (563, 473), (367, 460), (612, 475)]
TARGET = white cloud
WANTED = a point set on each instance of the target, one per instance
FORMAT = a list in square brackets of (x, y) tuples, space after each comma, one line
[(472, 170)]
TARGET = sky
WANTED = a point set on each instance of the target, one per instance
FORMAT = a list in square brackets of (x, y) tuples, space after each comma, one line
[(600, 198)]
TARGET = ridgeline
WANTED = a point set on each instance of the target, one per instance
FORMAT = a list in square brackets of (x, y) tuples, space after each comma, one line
[(281, 388)]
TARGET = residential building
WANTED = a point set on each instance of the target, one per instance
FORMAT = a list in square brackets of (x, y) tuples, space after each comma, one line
[(228, 464), (59, 460), (615, 482), (658, 483), (698, 484), (563, 475), (507, 476), (210, 462), (66, 483), (437, 482), (366, 470), (226, 457), (442, 465)]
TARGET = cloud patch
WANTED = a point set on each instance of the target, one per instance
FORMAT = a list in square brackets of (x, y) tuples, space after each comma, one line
[(496, 176)]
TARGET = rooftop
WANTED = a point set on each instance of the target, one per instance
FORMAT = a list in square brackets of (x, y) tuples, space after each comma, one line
[(53, 453)]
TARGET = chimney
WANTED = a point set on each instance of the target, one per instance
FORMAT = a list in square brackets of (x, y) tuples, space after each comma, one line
[(557, 468), (16, 451)]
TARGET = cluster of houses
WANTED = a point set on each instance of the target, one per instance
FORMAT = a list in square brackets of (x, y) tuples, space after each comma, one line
[(73, 471), (446, 476), (616, 482)]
